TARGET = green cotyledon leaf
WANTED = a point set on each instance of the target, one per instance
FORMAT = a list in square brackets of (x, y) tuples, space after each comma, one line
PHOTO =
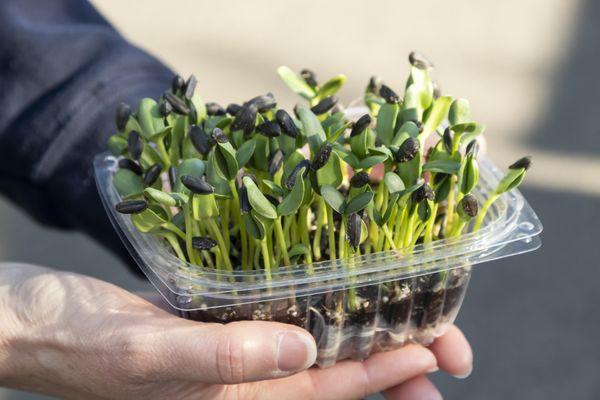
[(293, 200), (128, 183), (333, 198), (295, 82), (258, 201)]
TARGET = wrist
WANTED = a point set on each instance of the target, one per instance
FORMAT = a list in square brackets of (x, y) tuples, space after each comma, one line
[(20, 331)]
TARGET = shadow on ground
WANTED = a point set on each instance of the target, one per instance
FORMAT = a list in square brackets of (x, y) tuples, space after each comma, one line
[(571, 123)]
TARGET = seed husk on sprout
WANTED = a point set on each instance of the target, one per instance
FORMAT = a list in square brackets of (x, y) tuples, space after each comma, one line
[(418, 60), (233, 108), (524, 163), (324, 105), (269, 129), (177, 84), (245, 119), (122, 116), (131, 206), (152, 174), (190, 86), (126, 163), (359, 179), (197, 185), (203, 243), (286, 123), (388, 95), (200, 140), (219, 136), (178, 105), (215, 109), (276, 161), (360, 125), (468, 207), (135, 144), (408, 150), (309, 77), (322, 156)]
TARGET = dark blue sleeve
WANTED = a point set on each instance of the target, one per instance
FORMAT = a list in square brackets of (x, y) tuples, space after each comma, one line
[(63, 70)]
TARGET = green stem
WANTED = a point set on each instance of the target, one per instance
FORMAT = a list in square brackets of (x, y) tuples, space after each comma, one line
[(266, 258), (317, 237), (221, 243), (188, 233), (484, 211), (163, 154), (330, 232), (281, 241)]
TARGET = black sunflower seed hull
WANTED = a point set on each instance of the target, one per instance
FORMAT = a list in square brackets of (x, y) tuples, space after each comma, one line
[(197, 185), (374, 85), (469, 205), (275, 161), (152, 174), (135, 145), (219, 136), (269, 129), (131, 206), (324, 105), (418, 60), (354, 229), (447, 140), (126, 163), (245, 119), (360, 125), (263, 103), (177, 84), (388, 95), (190, 86), (359, 179), (172, 176), (286, 123), (274, 200), (322, 156), (233, 109), (422, 193), (309, 77), (215, 109), (291, 179), (122, 116), (244, 201), (472, 148), (203, 243), (200, 140), (178, 105), (165, 108), (524, 163), (408, 150)]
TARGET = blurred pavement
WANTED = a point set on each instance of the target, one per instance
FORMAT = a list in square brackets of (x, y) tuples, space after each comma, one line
[(529, 70)]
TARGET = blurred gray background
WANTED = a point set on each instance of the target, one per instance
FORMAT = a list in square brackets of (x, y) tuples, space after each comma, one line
[(529, 70)]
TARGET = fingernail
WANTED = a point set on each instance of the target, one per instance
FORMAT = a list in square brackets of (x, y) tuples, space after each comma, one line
[(295, 351), (465, 375), (433, 369)]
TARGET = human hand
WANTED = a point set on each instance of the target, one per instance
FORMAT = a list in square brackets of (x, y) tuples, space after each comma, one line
[(77, 337)]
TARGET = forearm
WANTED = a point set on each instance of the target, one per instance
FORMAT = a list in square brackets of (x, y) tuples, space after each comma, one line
[(16, 331), (65, 71)]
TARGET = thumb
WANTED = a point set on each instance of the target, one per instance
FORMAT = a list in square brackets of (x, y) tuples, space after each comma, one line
[(233, 353)]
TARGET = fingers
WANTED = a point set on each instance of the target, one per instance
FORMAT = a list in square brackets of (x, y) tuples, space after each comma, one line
[(453, 353), (353, 379), (232, 353), (419, 388)]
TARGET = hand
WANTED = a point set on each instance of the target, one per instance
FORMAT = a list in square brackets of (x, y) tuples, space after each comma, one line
[(77, 337)]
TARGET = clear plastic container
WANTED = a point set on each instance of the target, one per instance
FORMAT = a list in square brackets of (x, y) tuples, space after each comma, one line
[(403, 299)]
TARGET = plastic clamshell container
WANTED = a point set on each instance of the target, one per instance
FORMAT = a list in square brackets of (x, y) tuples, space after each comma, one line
[(403, 298)]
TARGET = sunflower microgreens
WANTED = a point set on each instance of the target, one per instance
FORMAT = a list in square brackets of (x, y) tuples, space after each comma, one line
[(253, 187)]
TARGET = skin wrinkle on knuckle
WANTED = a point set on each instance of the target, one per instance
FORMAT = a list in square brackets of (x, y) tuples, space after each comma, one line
[(230, 359)]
